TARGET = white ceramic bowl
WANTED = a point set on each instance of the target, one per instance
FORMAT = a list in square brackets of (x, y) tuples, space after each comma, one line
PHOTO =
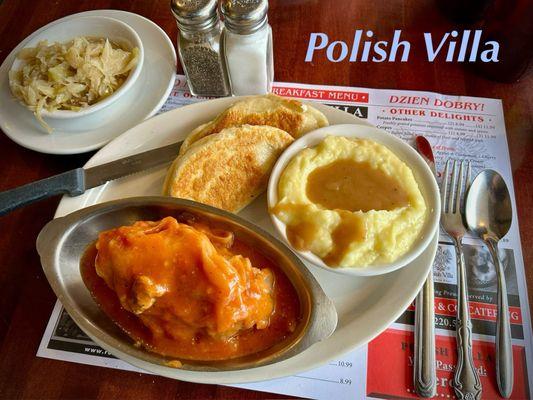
[(92, 26), (423, 175)]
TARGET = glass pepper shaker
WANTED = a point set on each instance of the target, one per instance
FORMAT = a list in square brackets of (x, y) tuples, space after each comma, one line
[(199, 46), (247, 46)]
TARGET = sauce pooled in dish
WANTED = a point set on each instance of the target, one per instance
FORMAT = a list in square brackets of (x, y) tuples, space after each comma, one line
[(189, 291), (354, 186)]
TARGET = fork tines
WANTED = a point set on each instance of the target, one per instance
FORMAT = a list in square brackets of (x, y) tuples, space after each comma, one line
[(453, 202)]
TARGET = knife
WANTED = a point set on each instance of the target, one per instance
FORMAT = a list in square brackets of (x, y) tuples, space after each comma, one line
[(425, 376), (77, 181)]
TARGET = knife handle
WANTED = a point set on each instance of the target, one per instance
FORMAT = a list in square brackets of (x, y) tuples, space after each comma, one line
[(71, 182)]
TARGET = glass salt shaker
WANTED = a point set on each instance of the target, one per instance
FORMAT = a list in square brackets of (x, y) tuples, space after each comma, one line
[(247, 46), (199, 46)]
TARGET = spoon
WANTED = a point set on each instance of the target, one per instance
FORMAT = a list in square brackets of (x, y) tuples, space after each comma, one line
[(488, 213)]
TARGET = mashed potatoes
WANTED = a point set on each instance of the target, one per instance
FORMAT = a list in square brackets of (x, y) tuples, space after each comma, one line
[(352, 202)]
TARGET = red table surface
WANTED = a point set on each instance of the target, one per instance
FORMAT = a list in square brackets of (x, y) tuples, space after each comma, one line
[(27, 299)]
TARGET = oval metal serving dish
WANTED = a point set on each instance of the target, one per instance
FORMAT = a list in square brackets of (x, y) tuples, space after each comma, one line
[(63, 241)]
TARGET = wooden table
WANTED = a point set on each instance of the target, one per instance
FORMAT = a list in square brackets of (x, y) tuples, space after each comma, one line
[(26, 298)]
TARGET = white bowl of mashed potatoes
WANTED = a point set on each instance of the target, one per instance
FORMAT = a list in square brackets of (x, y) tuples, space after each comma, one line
[(354, 199), (76, 67)]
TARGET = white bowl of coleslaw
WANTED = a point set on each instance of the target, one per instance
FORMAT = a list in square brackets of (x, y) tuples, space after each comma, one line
[(61, 79)]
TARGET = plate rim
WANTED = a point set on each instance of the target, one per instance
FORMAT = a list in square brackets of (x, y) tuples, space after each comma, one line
[(112, 13), (277, 370)]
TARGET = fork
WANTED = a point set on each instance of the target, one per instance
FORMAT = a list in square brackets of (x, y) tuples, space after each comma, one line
[(466, 381)]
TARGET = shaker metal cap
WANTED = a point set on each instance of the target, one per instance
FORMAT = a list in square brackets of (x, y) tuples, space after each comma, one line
[(244, 16), (194, 14)]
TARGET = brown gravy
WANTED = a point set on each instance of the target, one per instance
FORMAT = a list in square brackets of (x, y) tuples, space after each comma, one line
[(354, 186), (351, 229), (301, 235), (283, 321)]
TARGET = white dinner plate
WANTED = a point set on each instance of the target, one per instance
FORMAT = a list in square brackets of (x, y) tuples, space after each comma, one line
[(91, 132), (366, 305)]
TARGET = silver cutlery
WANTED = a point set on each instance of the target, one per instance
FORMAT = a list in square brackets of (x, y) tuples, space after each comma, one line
[(466, 382), (425, 376), (77, 181), (489, 215)]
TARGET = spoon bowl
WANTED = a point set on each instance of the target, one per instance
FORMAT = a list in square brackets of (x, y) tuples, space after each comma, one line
[(488, 208)]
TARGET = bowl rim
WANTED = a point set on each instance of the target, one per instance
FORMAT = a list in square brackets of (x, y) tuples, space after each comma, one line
[(322, 315), (126, 85), (417, 165)]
